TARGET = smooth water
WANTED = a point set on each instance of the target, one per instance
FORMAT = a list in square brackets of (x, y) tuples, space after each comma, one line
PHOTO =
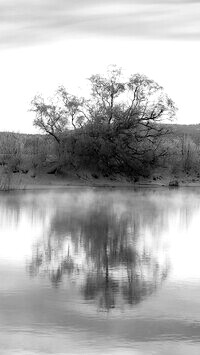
[(100, 271)]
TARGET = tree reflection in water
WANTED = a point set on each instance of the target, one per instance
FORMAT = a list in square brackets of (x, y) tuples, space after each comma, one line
[(103, 251)]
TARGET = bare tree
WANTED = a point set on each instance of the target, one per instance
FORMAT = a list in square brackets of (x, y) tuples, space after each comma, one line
[(117, 128), (50, 117), (105, 91)]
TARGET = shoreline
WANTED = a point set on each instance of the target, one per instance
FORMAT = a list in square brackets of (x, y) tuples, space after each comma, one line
[(45, 182)]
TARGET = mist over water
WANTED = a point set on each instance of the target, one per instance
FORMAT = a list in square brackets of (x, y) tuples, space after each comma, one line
[(100, 271)]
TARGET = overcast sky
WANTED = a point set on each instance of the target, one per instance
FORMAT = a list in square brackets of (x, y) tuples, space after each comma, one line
[(44, 43)]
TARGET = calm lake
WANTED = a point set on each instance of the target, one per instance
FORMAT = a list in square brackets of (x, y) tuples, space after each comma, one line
[(100, 271)]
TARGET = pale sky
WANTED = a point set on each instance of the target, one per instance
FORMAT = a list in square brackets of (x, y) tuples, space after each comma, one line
[(47, 43)]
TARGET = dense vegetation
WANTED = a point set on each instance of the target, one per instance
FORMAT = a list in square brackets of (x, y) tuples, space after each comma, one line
[(120, 129)]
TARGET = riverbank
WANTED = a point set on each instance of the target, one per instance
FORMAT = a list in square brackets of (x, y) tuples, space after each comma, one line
[(21, 181)]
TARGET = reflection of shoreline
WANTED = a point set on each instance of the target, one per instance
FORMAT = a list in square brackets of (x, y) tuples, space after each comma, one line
[(102, 252), (105, 228), (140, 230)]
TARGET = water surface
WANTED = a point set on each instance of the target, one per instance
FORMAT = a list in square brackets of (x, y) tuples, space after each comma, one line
[(100, 271)]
